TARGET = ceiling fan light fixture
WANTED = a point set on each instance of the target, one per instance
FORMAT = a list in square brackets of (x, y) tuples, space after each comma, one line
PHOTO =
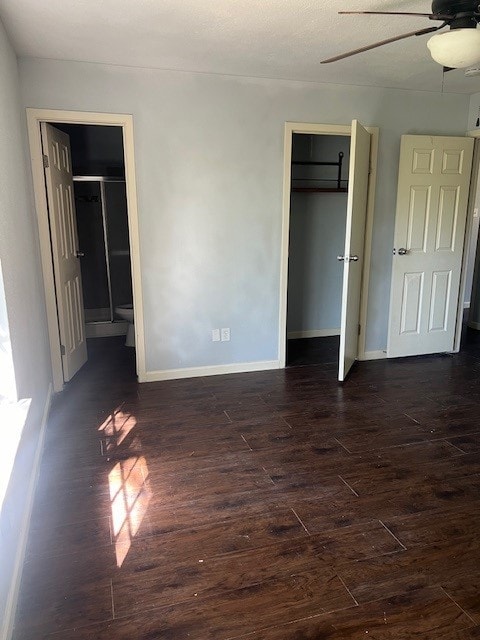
[(458, 48)]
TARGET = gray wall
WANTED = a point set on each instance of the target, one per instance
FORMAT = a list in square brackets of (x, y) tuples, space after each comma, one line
[(209, 153), (19, 257), (317, 236)]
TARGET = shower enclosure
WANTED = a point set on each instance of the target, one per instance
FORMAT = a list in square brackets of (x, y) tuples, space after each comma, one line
[(102, 222)]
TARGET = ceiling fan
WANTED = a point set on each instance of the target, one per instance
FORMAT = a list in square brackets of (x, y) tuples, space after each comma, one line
[(454, 49)]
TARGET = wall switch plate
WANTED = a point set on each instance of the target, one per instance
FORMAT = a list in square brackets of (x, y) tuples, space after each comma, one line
[(225, 334), (215, 335)]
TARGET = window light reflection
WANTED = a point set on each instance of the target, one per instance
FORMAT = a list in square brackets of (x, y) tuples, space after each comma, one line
[(128, 482), (129, 497), (117, 427)]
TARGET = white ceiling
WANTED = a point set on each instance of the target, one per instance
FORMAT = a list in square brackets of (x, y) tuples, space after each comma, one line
[(263, 38)]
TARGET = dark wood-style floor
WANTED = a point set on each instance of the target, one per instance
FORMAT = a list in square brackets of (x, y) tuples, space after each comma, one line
[(274, 505), (302, 351)]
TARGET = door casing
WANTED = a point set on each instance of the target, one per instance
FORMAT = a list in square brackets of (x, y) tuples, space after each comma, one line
[(468, 231), (332, 130), (125, 121)]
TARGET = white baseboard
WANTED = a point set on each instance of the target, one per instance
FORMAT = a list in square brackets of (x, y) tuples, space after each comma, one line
[(12, 598), (105, 329), (313, 333), (466, 305), (373, 355), (473, 325), (214, 370)]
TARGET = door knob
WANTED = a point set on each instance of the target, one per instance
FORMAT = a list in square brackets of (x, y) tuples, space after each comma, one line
[(347, 258), (79, 254), (402, 251)]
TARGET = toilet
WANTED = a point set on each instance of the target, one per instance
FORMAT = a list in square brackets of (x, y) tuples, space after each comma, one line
[(125, 311)]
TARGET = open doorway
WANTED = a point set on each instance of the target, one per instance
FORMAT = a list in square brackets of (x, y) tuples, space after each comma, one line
[(470, 330), (318, 212), (305, 177), (100, 198), (84, 182)]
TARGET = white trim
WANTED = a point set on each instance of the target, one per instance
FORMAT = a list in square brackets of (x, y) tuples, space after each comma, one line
[(332, 130), (373, 355), (468, 232), (213, 370), (34, 118), (466, 305), (12, 596), (313, 333)]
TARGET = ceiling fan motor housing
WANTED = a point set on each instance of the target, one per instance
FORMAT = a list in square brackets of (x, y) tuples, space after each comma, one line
[(463, 12), (460, 46)]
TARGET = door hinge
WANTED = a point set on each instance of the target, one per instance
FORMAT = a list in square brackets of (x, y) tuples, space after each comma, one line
[(62, 349), (359, 328), (46, 163)]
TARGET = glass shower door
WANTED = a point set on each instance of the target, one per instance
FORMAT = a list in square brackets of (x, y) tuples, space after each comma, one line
[(96, 298)]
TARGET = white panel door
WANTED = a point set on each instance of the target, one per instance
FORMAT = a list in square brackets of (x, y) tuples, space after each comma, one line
[(432, 199), (66, 263), (354, 247)]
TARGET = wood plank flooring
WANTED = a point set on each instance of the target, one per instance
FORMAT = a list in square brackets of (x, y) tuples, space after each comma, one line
[(274, 505), (301, 351)]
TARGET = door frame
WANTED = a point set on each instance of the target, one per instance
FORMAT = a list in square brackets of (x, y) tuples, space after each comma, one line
[(468, 230), (125, 121), (328, 130)]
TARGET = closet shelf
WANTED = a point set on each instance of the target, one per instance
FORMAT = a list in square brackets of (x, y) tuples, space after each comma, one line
[(316, 186), (320, 189)]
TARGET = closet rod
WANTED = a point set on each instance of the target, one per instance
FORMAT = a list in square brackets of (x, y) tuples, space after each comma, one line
[(331, 164)]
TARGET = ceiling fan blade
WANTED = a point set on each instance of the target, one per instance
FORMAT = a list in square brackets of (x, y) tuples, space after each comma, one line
[(381, 43), (432, 16)]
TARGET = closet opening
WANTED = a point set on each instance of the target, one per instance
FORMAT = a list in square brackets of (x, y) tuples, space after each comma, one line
[(318, 213)]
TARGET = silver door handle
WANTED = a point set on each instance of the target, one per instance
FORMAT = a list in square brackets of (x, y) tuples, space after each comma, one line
[(402, 251), (347, 258), (79, 254)]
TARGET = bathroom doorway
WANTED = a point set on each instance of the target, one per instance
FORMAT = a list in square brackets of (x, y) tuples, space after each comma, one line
[(86, 205), (100, 198)]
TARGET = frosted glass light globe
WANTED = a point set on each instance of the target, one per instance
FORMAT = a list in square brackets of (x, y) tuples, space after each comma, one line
[(457, 48)]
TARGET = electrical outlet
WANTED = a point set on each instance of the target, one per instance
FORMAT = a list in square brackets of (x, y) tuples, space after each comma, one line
[(225, 334), (216, 335)]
